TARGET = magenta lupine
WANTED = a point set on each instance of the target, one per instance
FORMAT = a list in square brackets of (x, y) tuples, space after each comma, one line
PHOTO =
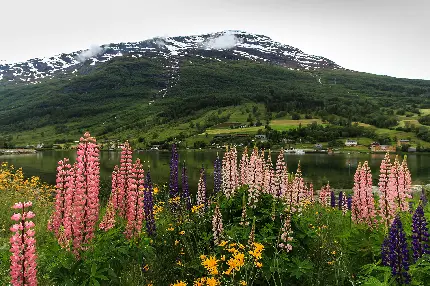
[(217, 226), (254, 178), (286, 234), (126, 164), (363, 206), (23, 267), (281, 178), (134, 214), (244, 167), (387, 209), (55, 224), (86, 199), (201, 192), (324, 196)]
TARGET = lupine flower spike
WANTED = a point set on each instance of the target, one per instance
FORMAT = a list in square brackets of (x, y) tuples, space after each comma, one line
[(186, 198), (149, 205), (23, 247), (420, 234), (399, 254)]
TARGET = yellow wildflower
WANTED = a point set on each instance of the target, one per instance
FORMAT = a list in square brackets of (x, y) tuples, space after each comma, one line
[(258, 264), (180, 263), (243, 283), (211, 265), (182, 232), (170, 229), (176, 242), (330, 262), (200, 282), (212, 281), (179, 283), (258, 249), (202, 257), (333, 252), (223, 243)]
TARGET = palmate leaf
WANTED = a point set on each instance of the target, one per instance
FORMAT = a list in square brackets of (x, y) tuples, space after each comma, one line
[(300, 268)]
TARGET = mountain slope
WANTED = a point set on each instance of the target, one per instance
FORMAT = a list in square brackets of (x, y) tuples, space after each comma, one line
[(154, 96), (231, 45)]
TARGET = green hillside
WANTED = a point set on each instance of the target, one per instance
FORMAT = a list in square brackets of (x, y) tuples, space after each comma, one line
[(120, 100)]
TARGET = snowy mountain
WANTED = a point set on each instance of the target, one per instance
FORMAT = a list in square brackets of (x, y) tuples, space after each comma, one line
[(227, 45)]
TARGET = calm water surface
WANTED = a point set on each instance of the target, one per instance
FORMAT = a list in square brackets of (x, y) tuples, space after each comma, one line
[(319, 168)]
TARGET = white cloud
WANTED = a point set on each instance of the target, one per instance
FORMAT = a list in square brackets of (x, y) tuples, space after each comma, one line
[(224, 42), (91, 52), (160, 42)]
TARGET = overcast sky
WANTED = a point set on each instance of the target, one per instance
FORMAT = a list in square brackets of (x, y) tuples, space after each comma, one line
[(389, 37)]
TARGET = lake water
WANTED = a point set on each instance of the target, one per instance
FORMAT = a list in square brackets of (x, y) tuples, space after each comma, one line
[(319, 168)]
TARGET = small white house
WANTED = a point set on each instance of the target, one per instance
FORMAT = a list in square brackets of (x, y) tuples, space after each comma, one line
[(350, 143)]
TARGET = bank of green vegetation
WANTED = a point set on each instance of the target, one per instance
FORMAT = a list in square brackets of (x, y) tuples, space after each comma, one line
[(120, 100)]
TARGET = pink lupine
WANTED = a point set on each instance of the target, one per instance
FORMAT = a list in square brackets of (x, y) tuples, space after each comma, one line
[(56, 222), (406, 189), (23, 267), (254, 177), (230, 173), (134, 213), (201, 192), (217, 226), (281, 178), (244, 167), (310, 193), (114, 187), (324, 195), (269, 176), (85, 202), (286, 234), (108, 220), (386, 197), (363, 206), (123, 179), (297, 192), (69, 199)]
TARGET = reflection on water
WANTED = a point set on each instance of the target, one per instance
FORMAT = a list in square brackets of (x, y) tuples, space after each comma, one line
[(319, 168)]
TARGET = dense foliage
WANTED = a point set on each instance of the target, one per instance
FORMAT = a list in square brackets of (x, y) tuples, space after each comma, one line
[(263, 226)]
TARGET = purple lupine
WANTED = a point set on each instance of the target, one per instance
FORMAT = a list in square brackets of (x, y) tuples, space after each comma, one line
[(340, 200), (349, 202), (217, 175), (399, 254), (420, 234), (173, 184), (149, 205), (186, 198), (423, 198), (332, 199), (385, 252)]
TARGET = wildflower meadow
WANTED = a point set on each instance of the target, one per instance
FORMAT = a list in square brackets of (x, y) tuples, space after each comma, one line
[(258, 224)]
